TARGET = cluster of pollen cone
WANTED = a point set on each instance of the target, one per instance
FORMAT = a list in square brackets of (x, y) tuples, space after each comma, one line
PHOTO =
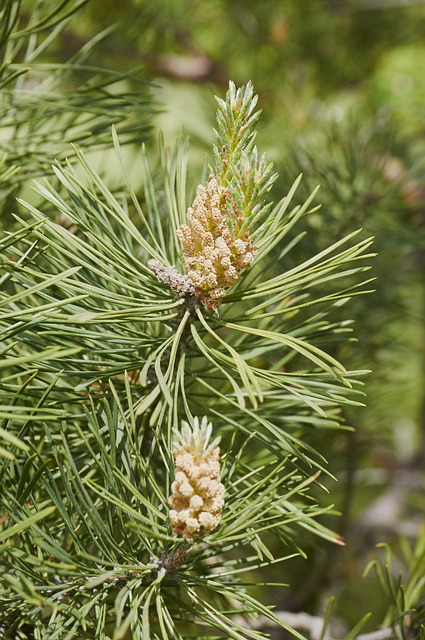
[(197, 494), (216, 249)]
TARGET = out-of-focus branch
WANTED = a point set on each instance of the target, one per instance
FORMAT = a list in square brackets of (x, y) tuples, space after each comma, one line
[(381, 634), (312, 626), (191, 64), (375, 5)]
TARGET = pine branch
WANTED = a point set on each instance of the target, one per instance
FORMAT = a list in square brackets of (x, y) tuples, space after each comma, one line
[(45, 107), (110, 354)]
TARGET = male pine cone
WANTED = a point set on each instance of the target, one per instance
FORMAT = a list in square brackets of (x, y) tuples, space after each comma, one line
[(215, 248), (197, 496)]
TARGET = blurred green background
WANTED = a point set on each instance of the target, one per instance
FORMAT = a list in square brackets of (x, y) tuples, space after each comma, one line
[(342, 88)]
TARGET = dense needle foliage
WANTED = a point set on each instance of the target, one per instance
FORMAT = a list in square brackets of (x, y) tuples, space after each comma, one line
[(116, 360), (177, 356)]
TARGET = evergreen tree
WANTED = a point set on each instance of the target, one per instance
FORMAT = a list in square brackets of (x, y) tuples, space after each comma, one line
[(171, 367), (123, 331)]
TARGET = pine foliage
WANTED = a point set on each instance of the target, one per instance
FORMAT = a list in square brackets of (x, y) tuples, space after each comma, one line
[(45, 106), (104, 362)]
